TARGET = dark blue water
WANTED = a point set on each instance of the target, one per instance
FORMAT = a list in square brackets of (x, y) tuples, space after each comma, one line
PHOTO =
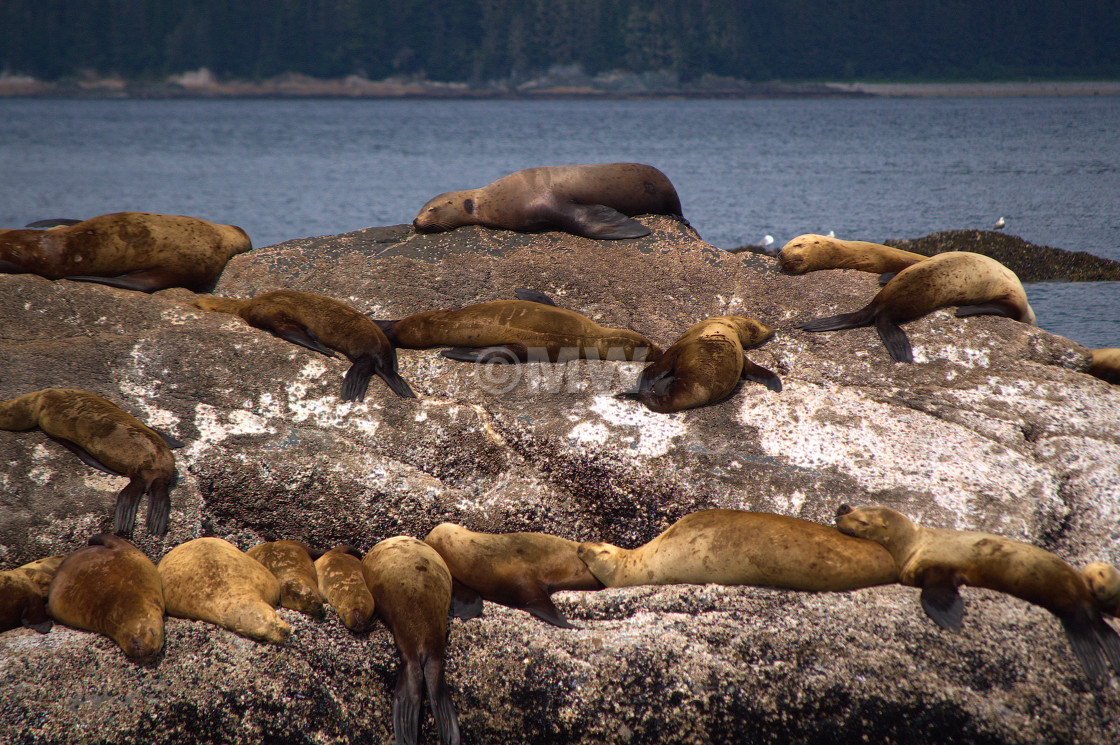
[(869, 169)]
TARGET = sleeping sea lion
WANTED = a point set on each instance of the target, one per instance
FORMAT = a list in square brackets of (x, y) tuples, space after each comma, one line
[(975, 283), (704, 365), (595, 201), (211, 580), (1104, 582), (529, 329), (321, 324), (107, 438), (731, 547), (411, 590), (112, 588), (40, 572), (940, 561), (343, 584), (520, 570), (290, 562), (134, 250), (1106, 365), (22, 603), (811, 253)]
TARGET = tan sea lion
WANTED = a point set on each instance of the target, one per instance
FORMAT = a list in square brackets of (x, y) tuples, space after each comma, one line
[(1104, 582), (41, 572), (811, 253), (210, 580), (704, 365), (22, 603), (134, 250), (975, 283), (595, 201), (529, 329), (343, 584), (290, 562), (732, 547), (940, 561), (1106, 365), (411, 588), (107, 438), (112, 588), (520, 570), (323, 325)]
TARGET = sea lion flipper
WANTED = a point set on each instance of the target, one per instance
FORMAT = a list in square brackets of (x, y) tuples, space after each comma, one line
[(35, 617), (501, 354), (159, 508), (894, 339), (443, 711), (127, 502), (544, 609), (465, 602), (534, 296), (406, 703), (386, 326), (1109, 641), (598, 221), (941, 601), (862, 317), (995, 308), (1086, 643), (142, 280), (886, 277), (52, 222), (396, 383), (758, 374), (304, 337), (84, 456), (170, 441)]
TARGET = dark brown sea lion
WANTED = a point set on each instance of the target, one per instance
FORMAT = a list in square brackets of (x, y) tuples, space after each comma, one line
[(112, 588), (324, 325), (520, 570), (1106, 365), (704, 365), (731, 547), (529, 329), (975, 283), (940, 561), (211, 580), (1104, 582), (411, 588), (22, 603), (107, 438), (595, 201), (811, 253), (134, 250), (290, 562), (343, 584)]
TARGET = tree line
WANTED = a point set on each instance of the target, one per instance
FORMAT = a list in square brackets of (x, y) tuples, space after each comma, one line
[(499, 40)]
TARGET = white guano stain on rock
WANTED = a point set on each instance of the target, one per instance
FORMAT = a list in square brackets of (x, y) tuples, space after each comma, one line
[(650, 433), (215, 425)]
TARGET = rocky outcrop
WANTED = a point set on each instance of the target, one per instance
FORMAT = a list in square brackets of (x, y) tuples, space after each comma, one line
[(995, 426)]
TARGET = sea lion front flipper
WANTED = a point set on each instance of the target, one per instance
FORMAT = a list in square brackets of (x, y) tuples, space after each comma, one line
[(443, 711), (758, 374), (886, 277), (304, 337), (142, 280), (127, 501), (894, 339), (598, 221), (159, 508), (501, 354), (52, 222), (465, 602), (941, 601), (35, 617), (406, 703), (1086, 642), (168, 440), (533, 296), (84, 456), (862, 317), (994, 308), (544, 609)]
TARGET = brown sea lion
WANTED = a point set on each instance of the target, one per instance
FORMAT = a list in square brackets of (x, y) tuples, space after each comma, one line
[(290, 562), (520, 570), (704, 365), (107, 438), (323, 325), (811, 253), (975, 283), (40, 572), (22, 603), (940, 561), (529, 329), (1104, 582), (343, 584), (210, 580), (411, 588), (134, 250), (112, 588), (731, 547), (595, 201), (1106, 365)]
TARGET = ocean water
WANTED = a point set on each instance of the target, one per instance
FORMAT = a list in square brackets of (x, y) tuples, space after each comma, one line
[(868, 169)]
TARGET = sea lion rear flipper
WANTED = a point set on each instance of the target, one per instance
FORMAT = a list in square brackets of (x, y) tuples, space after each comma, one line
[(35, 616), (886, 277), (357, 379), (758, 374), (159, 508), (406, 703), (598, 221), (465, 602), (398, 384), (127, 502), (84, 456), (304, 337), (52, 222), (533, 296), (501, 354), (941, 601), (863, 317), (443, 711), (894, 339), (142, 280), (994, 308), (544, 609)]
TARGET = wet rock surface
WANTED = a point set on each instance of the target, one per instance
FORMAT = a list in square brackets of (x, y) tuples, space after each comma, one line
[(995, 427)]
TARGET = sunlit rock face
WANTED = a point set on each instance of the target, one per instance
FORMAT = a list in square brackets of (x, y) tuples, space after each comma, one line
[(994, 427)]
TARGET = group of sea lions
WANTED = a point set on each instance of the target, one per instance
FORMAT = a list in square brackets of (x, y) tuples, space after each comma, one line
[(112, 588)]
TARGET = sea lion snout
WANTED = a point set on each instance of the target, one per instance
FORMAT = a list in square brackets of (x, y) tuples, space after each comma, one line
[(843, 510)]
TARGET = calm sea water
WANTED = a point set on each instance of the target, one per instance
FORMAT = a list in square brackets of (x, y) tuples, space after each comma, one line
[(869, 168)]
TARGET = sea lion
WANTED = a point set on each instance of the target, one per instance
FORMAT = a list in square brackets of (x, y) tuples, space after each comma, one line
[(940, 561), (595, 201), (529, 329), (1104, 582), (731, 547), (40, 572), (210, 580), (321, 324), (22, 603), (975, 283), (343, 584), (811, 253), (290, 562), (112, 588), (108, 438), (133, 250), (1106, 365), (704, 365), (520, 570), (411, 588)]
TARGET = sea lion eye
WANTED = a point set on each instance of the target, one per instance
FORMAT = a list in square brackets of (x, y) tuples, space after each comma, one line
[(468, 205)]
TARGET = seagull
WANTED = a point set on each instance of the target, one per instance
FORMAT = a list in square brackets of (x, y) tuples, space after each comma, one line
[(999, 224), (767, 240), (831, 234)]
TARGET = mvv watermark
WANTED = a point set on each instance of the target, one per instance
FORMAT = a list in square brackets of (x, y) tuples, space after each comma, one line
[(499, 370)]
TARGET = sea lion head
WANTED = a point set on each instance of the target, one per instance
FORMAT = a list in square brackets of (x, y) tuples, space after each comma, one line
[(800, 255), (880, 524), (603, 559), (142, 638), (1104, 582), (445, 212), (751, 332), (301, 597)]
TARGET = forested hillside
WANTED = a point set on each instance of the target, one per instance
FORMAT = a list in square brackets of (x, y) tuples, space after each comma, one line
[(480, 40)]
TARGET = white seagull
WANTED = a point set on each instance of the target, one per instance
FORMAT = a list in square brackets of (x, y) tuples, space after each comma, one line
[(999, 224)]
